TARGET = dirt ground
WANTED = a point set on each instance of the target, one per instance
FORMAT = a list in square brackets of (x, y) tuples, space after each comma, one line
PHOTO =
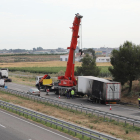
[(28, 58), (88, 121), (132, 97)]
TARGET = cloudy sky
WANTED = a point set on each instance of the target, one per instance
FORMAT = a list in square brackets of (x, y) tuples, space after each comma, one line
[(26, 24)]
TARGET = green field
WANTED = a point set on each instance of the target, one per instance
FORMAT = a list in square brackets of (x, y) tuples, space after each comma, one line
[(50, 70)]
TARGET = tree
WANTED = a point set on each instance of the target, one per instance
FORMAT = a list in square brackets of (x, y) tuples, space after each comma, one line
[(39, 49), (88, 67), (34, 49), (90, 51), (126, 63)]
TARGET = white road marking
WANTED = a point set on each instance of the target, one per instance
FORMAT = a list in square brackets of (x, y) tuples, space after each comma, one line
[(2, 126), (36, 125)]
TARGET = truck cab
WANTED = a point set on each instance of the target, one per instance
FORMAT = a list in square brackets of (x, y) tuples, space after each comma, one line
[(43, 83)]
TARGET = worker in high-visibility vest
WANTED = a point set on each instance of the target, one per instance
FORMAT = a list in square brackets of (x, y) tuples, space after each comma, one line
[(139, 101), (72, 93)]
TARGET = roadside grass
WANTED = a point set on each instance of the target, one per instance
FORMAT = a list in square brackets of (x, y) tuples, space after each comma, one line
[(46, 67), (81, 118), (48, 124), (51, 70)]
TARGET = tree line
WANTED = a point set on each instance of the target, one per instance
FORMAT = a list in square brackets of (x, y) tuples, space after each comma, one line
[(125, 64)]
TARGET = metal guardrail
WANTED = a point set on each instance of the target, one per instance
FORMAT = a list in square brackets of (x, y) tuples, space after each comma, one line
[(57, 122), (76, 107)]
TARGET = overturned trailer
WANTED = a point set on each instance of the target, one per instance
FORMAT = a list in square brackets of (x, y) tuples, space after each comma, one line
[(98, 89)]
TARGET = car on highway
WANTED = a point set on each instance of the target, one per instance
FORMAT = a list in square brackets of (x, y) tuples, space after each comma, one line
[(34, 91)]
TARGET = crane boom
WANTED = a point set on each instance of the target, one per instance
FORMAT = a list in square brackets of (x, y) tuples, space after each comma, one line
[(69, 79)]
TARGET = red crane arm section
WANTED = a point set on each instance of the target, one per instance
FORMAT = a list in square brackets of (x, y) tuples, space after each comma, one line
[(69, 74), (71, 60), (44, 77)]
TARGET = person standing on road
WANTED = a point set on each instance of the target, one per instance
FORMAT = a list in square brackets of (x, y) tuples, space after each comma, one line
[(67, 93), (47, 91), (139, 100), (72, 93)]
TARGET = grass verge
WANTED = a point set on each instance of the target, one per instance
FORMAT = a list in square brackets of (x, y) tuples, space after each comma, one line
[(87, 120)]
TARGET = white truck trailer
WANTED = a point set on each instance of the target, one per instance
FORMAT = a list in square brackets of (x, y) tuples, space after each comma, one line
[(99, 89), (4, 75)]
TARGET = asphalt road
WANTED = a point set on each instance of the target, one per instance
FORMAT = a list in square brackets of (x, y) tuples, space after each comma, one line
[(116, 109), (13, 127)]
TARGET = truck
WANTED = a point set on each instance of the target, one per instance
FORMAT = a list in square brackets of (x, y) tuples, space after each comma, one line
[(99, 90), (4, 75), (2, 83), (96, 89), (43, 82)]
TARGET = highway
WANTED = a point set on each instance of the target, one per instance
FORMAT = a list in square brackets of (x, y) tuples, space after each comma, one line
[(13, 127), (116, 109)]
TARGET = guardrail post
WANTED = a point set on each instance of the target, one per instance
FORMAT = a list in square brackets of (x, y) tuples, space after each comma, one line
[(68, 129), (90, 136), (82, 135), (133, 124), (62, 126), (51, 122)]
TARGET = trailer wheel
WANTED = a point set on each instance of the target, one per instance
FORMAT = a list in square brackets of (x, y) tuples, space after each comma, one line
[(0, 75), (56, 91), (60, 91)]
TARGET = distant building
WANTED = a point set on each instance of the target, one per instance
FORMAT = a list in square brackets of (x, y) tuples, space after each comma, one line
[(77, 57), (98, 52), (64, 57), (103, 59)]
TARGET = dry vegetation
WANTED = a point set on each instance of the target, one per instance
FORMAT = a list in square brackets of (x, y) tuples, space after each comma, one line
[(38, 64), (88, 121), (28, 58), (131, 97), (45, 64)]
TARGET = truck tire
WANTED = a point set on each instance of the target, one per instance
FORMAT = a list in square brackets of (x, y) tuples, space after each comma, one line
[(57, 92), (0, 75)]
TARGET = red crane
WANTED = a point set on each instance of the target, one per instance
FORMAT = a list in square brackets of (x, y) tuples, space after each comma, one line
[(69, 79)]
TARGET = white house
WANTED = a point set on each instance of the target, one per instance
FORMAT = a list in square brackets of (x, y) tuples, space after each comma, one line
[(103, 59), (64, 57)]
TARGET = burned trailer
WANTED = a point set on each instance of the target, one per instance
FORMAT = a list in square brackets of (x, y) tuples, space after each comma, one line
[(99, 90)]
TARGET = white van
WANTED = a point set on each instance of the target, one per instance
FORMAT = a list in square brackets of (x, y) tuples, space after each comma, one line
[(2, 83)]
